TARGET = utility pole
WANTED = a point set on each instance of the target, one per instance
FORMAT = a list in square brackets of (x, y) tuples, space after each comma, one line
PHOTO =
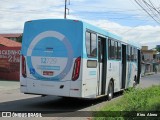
[(65, 9)]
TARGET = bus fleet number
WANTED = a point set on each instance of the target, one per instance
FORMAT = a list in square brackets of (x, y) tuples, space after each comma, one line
[(48, 60)]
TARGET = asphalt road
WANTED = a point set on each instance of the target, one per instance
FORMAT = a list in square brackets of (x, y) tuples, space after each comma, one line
[(12, 100), (150, 80)]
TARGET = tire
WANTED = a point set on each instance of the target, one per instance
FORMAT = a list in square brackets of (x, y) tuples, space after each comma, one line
[(110, 90)]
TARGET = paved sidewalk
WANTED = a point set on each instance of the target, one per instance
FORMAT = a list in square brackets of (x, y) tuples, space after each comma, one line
[(9, 85)]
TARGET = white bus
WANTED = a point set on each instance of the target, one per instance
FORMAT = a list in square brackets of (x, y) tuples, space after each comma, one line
[(71, 58)]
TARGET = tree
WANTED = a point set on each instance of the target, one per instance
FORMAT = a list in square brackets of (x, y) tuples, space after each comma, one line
[(158, 48), (19, 39)]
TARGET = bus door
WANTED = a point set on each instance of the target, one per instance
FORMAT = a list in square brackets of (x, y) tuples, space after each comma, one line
[(102, 65), (139, 66), (124, 63)]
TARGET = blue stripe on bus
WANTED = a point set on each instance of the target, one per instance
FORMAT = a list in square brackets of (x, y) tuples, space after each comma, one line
[(92, 73), (75, 37), (44, 67)]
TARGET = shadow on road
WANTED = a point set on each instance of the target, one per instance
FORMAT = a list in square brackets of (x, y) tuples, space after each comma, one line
[(50, 103)]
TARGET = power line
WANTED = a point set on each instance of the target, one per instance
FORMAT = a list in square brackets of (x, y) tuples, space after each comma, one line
[(150, 9)]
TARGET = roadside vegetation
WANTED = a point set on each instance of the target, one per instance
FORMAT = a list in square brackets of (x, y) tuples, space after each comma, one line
[(133, 102)]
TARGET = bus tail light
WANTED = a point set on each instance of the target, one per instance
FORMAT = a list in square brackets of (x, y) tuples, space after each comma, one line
[(24, 73), (76, 69)]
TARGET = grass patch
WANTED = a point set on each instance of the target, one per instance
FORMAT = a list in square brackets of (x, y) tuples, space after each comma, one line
[(133, 100)]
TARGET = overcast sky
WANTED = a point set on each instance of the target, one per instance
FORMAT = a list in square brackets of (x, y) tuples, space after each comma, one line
[(122, 17)]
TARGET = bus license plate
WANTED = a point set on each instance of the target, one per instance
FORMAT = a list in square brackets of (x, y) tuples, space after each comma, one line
[(48, 73)]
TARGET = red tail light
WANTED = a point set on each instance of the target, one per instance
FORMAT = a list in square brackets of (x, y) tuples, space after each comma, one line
[(24, 73), (76, 69)]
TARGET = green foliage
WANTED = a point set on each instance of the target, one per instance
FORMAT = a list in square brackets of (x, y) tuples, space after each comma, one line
[(134, 100), (158, 49), (19, 39)]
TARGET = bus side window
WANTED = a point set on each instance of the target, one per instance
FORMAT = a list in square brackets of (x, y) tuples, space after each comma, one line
[(128, 53), (119, 51), (131, 53), (112, 50), (116, 50), (88, 46), (91, 44), (109, 49), (136, 54)]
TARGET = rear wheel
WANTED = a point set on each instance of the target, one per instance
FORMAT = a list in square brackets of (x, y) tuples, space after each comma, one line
[(110, 90)]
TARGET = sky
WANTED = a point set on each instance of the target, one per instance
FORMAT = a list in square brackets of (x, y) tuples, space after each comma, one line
[(121, 17)]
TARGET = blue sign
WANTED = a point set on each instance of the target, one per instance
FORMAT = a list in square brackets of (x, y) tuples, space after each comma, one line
[(32, 71)]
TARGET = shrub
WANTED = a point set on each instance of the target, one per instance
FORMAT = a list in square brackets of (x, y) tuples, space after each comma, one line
[(134, 100)]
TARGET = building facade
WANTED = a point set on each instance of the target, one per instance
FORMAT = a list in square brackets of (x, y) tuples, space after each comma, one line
[(13, 36), (9, 59), (150, 60)]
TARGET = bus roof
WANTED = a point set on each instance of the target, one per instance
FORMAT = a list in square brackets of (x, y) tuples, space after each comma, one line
[(98, 30), (109, 34), (102, 31)]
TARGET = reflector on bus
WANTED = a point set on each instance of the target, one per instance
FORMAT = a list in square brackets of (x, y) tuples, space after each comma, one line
[(24, 73), (76, 69)]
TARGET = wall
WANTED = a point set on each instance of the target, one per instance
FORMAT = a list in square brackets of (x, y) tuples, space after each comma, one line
[(144, 47), (9, 63)]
